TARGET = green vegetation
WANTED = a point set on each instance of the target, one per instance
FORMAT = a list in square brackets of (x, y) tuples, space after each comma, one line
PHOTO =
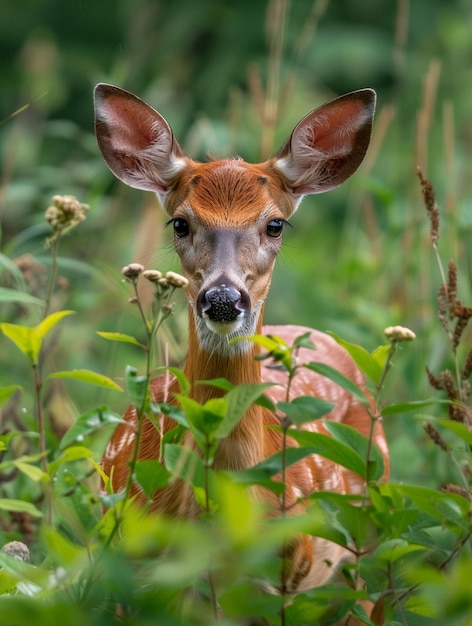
[(232, 78)]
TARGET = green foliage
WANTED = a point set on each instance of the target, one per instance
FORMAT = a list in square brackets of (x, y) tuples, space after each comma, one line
[(232, 78)]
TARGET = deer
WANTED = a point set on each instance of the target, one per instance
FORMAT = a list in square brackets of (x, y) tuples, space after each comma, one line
[(228, 218)]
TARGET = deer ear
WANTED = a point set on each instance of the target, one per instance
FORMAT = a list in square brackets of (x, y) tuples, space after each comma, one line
[(135, 140), (328, 145)]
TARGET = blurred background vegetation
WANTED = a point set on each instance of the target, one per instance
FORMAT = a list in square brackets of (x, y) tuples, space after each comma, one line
[(234, 78)]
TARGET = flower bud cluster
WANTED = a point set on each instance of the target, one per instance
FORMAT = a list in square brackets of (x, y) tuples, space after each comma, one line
[(65, 212), (171, 279), (395, 334)]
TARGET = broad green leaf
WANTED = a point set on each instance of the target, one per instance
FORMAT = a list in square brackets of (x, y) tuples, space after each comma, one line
[(19, 506), (13, 295), (394, 549), (50, 321), (33, 472), (364, 361), (74, 453), (185, 464), (120, 337), (305, 409), (203, 419), (439, 505), (30, 339), (358, 443), (88, 423), (7, 392), (336, 376), (87, 376), (238, 401), (25, 338), (336, 451), (151, 475)]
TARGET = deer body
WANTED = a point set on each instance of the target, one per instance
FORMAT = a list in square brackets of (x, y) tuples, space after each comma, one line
[(228, 217)]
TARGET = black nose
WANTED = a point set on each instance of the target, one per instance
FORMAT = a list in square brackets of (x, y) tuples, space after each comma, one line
[(222, 304)]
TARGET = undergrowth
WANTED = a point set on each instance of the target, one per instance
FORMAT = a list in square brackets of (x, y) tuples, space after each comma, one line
[(75, 553)]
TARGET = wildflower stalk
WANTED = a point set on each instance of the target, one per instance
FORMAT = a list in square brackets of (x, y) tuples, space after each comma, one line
[(65, 213), (164, 288)]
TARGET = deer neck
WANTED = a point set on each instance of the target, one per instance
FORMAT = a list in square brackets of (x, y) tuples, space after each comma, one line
[(236, 362)]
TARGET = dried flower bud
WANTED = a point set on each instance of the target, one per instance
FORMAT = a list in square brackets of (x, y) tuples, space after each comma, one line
[(434, 435), (396, 334), (163, 283), (65, 212), (152, 276), (132, 271), (17, 550), (176, 280), (133, 300)]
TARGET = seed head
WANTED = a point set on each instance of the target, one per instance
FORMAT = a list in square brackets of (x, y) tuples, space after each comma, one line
[(396, 334), (17, 550)]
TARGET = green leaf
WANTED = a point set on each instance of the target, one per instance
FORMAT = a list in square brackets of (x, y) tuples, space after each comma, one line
[(88, 423), (120, 337), (50, 321), (33, 472), (368, 365), (7, 392), (25, 338), (182, 380), (358, 443), (439, 505), (336, 451), (219, 383), (458, 428), (13, 295), (137, 387), (341, 380), (394, 549), (151, 475), (87, 376), (238, 400), (381, 353), (185, 464), (30, 339), (305, 409), (19, 506), (277, 348), (414, 405), (204, 419)]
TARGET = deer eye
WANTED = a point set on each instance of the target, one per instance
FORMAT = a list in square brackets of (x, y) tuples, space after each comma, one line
[(275, 227), (181, 228)]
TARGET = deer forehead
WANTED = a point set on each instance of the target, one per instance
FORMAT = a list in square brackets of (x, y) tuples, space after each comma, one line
[(229, 193)]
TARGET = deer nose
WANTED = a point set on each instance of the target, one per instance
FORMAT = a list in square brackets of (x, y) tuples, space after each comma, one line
[(223, 304)]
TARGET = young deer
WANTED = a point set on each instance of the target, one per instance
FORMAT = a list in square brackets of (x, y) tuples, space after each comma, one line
[(228, 217)]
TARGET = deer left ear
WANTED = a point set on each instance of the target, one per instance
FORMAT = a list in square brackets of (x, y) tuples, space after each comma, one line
[(328, 145)]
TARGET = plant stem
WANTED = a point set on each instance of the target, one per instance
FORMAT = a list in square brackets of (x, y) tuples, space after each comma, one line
[(38, 409), (54, 243)]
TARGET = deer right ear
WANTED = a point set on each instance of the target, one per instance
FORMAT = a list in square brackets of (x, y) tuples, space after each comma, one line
[(135, 140)]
